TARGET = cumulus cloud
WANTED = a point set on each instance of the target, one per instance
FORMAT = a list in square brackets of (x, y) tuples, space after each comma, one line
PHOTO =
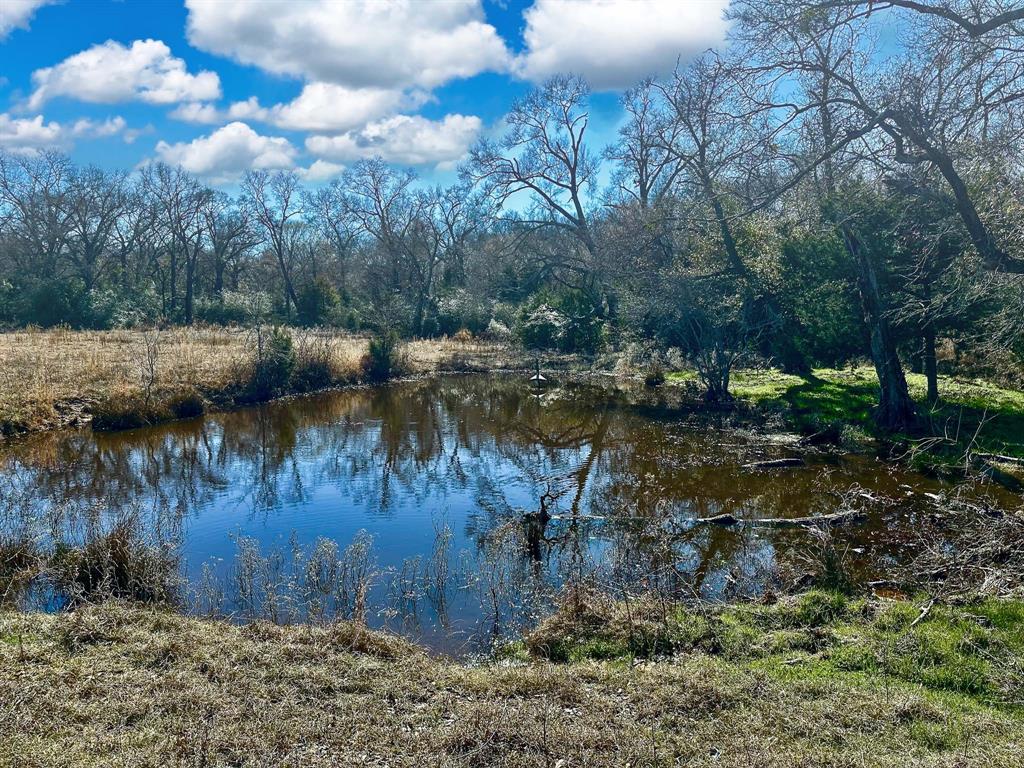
[(16, 14), (404, 139), (319, 107), (29, 135), (86, 128), (321, 170), (615, 44), (111, 72), (359, 43), (228, 152)]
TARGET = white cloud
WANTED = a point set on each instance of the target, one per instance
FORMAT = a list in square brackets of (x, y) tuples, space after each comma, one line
[(327, 107), (29, 135), (321, 170), (404, 139), (111, 72), (197, 112), (228, 152), (359, 43), (18, 13), (614, 44), (319, 107), (86, 128)]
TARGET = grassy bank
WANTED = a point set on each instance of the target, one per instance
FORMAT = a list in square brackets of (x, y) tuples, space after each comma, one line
[(118, 379), (818, 681), (125, 378), (845, 397)]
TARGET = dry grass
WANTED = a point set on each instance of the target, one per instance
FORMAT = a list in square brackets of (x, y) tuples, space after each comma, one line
[(60, 377), (119, 686)]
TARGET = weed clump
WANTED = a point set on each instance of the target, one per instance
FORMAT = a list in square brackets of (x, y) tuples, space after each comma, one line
[(127, 410), (186, 405), (118, 563), (313, 368), (19, 561)]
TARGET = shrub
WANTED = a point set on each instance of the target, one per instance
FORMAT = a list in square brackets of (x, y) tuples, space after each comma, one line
[(568, 321), (584, 328), (497, 331), (460, 309), (275, 360), (186, 405), (655, 375), (231, 308), (540, 328), (383, 359), (122, 308), (317, 301), (56, 302)]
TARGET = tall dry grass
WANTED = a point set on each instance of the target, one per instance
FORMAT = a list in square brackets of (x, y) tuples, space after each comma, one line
[(60, 377)]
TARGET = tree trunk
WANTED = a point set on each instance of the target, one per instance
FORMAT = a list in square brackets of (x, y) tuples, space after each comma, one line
[(895, 411), (930, 365), (190, 280), (289, 290), (219, 266)]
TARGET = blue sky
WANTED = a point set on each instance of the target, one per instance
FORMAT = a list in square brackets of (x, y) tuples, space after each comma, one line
[(220, 86)]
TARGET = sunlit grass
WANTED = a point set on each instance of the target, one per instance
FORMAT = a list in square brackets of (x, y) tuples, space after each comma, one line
[(817, 680), (849, 395), (51, 378)]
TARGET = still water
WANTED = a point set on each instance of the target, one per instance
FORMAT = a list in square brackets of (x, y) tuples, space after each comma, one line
[(470, 500)]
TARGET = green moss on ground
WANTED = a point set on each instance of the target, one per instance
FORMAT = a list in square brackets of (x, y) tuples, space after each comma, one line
[(822, 680)]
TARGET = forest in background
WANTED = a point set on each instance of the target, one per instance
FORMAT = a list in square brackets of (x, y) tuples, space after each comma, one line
[(809, 197)]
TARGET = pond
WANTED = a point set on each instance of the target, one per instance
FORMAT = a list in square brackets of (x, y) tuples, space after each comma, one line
[(451, 510)]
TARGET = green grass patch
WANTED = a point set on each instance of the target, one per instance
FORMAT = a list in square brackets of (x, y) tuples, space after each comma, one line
[(845, 398), (974, 651)]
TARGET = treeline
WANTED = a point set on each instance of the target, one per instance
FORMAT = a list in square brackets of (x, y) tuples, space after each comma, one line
[(810, 196)]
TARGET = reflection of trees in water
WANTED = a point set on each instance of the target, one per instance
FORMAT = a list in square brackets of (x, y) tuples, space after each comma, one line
[(616, 486)]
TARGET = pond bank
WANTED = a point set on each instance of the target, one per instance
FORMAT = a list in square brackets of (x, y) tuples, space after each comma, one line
[(817, 680), (836, 404), (125, 379)]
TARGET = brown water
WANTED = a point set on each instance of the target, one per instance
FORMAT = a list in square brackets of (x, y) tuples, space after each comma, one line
[(432, 480)]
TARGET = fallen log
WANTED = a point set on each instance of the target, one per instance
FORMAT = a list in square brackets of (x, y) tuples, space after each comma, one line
[(793, 461)]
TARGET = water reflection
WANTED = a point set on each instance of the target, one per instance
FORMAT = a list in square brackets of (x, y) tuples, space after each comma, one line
[(480, 500)]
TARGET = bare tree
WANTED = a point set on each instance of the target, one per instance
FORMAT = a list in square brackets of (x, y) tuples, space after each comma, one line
[(95, 201), (329, 210), (544, 156), (180, 200), (275, 202), (231, 235), (33, 197)]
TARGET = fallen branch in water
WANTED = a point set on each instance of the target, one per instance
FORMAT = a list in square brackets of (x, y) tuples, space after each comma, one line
[(996, 475), (793, 461), (836, 518), (1001, 459)]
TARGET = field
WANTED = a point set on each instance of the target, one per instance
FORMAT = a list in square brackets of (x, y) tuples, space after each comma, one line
[(818, 681), (60, 377)]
